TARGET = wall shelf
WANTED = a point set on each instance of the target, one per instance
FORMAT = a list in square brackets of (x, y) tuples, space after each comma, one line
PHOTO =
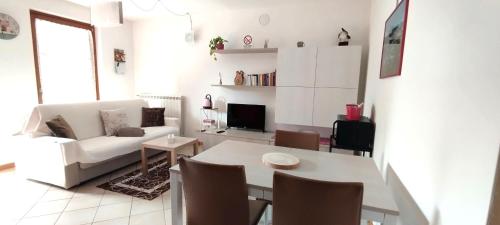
[(240, 86), (247, 51)]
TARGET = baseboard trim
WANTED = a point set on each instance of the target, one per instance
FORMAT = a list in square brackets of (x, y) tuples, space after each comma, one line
[(7, 166)]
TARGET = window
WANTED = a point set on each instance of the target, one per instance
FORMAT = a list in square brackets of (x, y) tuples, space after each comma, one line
[(65, 59)]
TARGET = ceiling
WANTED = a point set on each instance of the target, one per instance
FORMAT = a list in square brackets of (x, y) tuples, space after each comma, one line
[(140, 9)]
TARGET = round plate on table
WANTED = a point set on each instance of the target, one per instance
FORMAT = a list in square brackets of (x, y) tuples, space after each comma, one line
[(278, 160)]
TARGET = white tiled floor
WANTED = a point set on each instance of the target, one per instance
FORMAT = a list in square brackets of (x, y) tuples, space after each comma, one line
[(25, 202)]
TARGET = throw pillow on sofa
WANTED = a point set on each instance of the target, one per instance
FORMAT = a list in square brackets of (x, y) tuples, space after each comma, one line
[(153, 117), (130, 132), (113, 120), (60, 128)]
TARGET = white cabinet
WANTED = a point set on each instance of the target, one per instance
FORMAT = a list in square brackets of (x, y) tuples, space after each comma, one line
[(315, 84), (338, 67), (294, 105), (329, 102), (296, 67), (211, 138)]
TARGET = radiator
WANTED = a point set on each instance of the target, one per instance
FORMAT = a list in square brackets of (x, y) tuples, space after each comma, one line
[(172, 104)]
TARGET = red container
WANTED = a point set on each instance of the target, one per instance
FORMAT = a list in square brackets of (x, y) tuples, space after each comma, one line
[(219, 46), (353, 112)]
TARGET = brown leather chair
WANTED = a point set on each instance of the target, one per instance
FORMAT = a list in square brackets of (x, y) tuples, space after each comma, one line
[(218, 195), (293, 139), (301, 201)]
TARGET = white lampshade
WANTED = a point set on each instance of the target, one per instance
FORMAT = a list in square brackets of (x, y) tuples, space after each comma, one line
[(106, 13)]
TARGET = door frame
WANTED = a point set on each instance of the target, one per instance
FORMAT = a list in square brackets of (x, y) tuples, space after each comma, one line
[(64, 21)]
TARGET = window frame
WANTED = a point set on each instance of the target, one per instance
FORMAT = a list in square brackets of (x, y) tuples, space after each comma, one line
[(64, 21)]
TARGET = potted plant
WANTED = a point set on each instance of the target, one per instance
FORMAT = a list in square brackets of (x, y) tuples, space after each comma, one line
[(216, 44)]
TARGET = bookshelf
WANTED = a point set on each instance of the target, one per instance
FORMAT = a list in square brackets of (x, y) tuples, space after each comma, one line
[(265, 80)]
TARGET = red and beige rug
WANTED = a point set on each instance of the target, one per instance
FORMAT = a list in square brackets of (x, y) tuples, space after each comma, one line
[(148, 187)]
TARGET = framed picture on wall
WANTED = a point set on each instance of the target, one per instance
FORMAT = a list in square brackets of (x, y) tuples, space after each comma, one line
[(394, 41)]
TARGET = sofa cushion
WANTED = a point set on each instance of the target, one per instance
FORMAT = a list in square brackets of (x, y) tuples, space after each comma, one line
[(61, 128), (130, 132), (102, 148), (133, 108), (153, 117), (113, 120)]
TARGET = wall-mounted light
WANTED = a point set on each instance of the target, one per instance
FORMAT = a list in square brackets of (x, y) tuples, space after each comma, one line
[(106, 13)]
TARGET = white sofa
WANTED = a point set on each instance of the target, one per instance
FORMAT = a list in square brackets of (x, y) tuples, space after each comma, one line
[(67, 162)]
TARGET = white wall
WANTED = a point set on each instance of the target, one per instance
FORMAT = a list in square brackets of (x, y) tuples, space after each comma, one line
[(17, 67), (113, 85), (438, 125), (165, 64)]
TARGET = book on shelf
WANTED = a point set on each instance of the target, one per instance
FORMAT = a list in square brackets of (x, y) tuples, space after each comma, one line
[(265, 79)]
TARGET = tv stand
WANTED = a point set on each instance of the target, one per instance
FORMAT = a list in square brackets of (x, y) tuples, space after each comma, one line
[(213, 137)]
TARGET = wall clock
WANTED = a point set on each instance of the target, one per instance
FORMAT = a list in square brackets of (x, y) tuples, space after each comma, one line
[(9, 28)]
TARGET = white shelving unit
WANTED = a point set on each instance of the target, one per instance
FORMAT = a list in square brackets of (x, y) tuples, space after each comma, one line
[(212, 137), (247, 51), (208, 114), (240, 86), (315, 84)]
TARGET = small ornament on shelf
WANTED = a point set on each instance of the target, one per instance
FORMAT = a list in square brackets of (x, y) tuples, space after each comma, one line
[(343, 38), (239, 79), (300, 44), (220, 78), (248, 41)]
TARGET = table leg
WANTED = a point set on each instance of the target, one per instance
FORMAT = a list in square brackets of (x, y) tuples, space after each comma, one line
[(176, 199), (144, 161), (173, 157), (195, 148)]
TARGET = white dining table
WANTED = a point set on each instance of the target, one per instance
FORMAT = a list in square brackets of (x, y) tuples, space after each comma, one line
[(378, 202)]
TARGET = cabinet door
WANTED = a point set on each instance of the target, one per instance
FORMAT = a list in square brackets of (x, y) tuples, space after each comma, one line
[(296, 67), (338, 66), (294, 105), (329, 102)]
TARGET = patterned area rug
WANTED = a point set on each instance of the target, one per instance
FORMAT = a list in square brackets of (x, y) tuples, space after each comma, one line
[(146, 187)]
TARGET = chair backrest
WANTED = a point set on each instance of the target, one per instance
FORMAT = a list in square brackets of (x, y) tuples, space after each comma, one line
[(293, 139), (215, 194), (299, 201)]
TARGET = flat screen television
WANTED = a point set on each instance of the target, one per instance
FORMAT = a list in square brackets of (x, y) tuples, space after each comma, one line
[(246, 116)]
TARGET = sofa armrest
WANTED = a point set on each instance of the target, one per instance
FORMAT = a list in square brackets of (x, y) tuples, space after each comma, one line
[(48, 159), (55, 150), (173, 122)]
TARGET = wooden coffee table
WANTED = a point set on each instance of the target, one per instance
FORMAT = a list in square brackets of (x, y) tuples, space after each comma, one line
[(162, 144)]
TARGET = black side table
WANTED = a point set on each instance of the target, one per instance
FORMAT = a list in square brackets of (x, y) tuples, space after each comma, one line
[(356, 135)]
